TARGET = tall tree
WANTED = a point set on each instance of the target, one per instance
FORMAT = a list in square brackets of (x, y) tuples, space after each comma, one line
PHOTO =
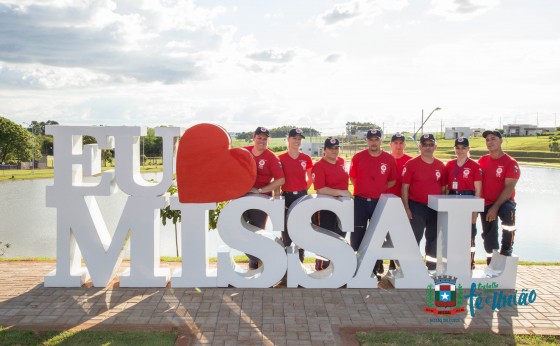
[(354, 126), (279, 132), (16, 143), (152, 145)]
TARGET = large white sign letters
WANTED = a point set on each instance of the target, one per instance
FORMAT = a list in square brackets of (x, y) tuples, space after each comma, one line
[(82, 232)]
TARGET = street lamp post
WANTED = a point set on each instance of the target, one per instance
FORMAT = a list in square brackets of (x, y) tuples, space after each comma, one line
[(421, 128), (32, 148)]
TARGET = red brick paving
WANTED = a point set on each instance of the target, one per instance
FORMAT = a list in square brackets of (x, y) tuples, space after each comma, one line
[(274, 316)]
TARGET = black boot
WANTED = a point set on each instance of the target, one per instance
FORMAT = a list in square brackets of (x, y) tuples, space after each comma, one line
[(507, 242), (378, 268)]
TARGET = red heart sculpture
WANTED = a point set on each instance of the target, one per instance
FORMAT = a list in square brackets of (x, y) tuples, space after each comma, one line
[(208, 170)]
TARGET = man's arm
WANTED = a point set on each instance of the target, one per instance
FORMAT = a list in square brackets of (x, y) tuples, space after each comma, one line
[(404, 197), (509, 187), (274, 185), (309, 179), (333, 192)]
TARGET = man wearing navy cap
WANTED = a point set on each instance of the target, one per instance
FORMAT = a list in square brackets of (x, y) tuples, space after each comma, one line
[(422, 176), (500, 173), (270, 177), (372, 172)]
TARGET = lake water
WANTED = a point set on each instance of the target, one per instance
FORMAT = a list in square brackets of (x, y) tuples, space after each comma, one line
[(30, 226)]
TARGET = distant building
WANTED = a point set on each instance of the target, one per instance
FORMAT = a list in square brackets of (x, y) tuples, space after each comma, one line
[(517, 130), (311, 149), (456, 132), (477, 132), (357, 135)]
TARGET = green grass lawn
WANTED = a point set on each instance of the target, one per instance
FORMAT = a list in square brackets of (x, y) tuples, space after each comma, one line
[(444, 339), (85, 337), (115, 338)]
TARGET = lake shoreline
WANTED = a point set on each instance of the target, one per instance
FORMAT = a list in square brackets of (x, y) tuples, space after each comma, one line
[(28, 175)]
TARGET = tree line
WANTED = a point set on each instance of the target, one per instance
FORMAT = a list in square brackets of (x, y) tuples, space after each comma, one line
[(279, 132)]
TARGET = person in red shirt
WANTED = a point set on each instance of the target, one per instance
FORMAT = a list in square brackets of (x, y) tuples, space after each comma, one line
[(464, 177), (329, 178), (297, 174), (500, 173), (422, 176), (398, 144), (270, 177), (372, 172)]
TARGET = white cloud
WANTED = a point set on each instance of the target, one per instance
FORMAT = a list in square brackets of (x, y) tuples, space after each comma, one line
[(456, 10), (273, 55), (348, 12), (333, 57), (116, 42)]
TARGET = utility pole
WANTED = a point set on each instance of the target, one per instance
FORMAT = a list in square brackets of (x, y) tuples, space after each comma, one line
[(423, 121), (422, 126)]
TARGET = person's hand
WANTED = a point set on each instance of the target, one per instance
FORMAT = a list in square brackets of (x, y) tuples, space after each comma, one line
[(409, 214), (345, 193), (491, 214)]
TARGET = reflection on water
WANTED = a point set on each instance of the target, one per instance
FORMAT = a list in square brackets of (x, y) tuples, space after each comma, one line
[(30, 226)]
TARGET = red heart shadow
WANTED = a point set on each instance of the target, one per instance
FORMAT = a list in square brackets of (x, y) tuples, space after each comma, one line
[(208, 170)]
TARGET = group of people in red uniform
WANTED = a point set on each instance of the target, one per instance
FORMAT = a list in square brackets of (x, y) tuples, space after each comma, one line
[(374, 171)]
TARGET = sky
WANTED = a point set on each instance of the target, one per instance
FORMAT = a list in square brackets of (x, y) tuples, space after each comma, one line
[(307, 63)]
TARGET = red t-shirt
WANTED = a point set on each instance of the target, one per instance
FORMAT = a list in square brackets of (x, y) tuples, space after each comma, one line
[(465, 176), (494, 174), (397, 188), (295, 171), (326, 174), (372, 173), (424, 178), (268, 167)]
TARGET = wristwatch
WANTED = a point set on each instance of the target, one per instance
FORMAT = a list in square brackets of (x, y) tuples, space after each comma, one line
[(259, 190)]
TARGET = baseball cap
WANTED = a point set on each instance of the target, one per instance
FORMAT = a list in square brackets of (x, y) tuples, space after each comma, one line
[(331, 142), (462, 141), (374, 132), (490, 132), (398, 137), (295, 132), (427, 137), (262, 130)]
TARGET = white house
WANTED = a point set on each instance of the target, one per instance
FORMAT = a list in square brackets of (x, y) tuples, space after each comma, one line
[(311, 149), (456, 132), (516, 130)]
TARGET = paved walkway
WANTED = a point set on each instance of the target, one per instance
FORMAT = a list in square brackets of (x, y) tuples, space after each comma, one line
[(274, 316)]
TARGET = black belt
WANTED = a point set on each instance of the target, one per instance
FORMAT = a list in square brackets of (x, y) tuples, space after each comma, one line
[(462, 192), (302, 192), (366, 199)]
